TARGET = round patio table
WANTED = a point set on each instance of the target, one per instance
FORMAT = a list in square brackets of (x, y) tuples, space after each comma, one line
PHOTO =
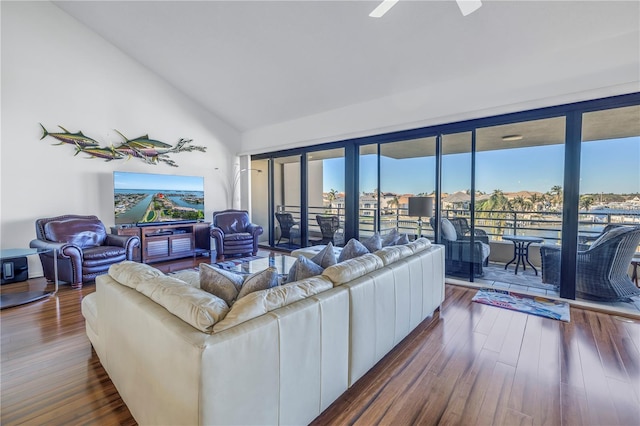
[(521, 245)]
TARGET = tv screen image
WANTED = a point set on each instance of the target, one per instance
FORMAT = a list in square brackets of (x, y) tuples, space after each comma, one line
[(146, 198)]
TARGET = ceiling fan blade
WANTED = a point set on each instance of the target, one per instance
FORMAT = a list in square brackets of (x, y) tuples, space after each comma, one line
[(468, 6), (382, 8)]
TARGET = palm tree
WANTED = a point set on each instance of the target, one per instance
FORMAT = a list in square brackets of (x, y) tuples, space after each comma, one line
[(518, 203), (497, 201), (586, 201), (536, 200), (393, 202), (556, 194)]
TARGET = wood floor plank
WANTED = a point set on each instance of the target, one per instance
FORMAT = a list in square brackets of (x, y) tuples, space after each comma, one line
[(469, 364)]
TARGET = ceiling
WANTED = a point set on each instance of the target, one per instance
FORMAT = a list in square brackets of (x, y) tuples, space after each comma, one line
[(258, 63)]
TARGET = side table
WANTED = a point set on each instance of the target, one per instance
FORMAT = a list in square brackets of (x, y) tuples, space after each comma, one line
[(20, 298), (521, 245)]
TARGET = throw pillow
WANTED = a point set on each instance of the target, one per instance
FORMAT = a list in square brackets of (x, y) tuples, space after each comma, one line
[(353, 248), (402, 239), (259, 281), (373, 243), (326, 257), (304, 268), (390, 238), (448, 230), (224, 284)]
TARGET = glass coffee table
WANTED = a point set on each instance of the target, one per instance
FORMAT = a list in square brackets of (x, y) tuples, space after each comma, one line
[(280, 261), (8, 300)]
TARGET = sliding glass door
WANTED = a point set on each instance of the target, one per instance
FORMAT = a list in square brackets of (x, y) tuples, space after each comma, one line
[(609, 199), (326, 197)]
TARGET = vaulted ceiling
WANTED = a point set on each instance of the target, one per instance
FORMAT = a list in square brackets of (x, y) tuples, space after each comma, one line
[(257, 63)]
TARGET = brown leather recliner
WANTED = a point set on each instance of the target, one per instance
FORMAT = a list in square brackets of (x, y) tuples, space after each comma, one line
[(84, 248), (234, 233)]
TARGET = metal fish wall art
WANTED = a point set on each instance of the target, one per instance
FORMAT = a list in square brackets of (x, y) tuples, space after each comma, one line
[(149, 150)]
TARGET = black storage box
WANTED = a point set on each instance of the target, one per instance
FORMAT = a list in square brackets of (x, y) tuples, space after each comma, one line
[(14, 270)]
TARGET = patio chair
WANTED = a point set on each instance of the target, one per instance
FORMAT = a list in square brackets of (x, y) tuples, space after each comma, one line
[(329, 226), (601, 268), (460, 256), (463, 230), (286, 222)]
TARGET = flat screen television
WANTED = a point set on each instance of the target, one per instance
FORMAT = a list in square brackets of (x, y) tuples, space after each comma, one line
[(150, 199)]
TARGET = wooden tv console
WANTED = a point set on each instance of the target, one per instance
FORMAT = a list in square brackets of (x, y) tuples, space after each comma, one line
[(170, 241)]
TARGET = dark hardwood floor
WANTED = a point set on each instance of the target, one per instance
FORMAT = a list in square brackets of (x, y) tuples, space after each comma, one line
[(469, 364)]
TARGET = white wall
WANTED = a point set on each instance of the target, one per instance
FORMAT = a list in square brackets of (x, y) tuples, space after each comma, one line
[(55, 71)]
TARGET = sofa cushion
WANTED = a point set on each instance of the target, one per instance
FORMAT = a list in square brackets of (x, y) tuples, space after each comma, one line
[(224, 284), (419, 244), (189, 276), (326, 257), (373, 243), (259, 281), (194, 306), (353, 248), (351, 269), (131, 274), (261, 302), (303, 268), (392, 254)]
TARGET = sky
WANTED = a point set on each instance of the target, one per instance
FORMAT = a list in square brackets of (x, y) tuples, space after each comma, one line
[(125, 180), (611, 166)]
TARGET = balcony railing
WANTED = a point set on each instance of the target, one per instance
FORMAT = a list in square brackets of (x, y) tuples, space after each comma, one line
[(543, 224)]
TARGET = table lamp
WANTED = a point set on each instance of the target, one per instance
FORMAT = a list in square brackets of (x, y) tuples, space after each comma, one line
[(420, 206)]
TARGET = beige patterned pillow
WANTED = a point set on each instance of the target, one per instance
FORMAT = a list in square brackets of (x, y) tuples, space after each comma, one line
[(224, 284), (259, 281)]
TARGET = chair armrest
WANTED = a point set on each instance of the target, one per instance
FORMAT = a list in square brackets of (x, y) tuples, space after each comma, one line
[(121, 240), (41, 244), (128, 242), (217, 232), (550, 260), (254, 229), (218, 236), (64, 250), (461, 250)]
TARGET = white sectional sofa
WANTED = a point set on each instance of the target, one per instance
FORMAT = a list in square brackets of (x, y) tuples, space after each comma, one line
[(278, 356)]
